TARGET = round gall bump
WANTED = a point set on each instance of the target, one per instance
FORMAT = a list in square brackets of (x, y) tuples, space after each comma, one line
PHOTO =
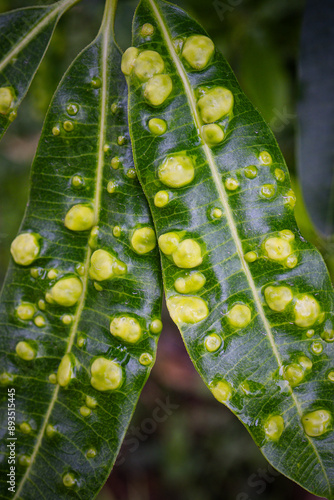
[(68, 480), (212, 342), (111, 187), (215, 104), (222, 391), (317, 348), (287, 234), (52, 274), (77, 181), (188, 254), (250, 172), (274, 427), (6, 378), (291, 261), (79, 218), (290, 199), (24, 460), (114, 108), (157, 126), (305, 363), (158, 89), (317, 423), (25, 351), (126, 328), (115, 163), (68, 126), (197, 51), (50, 430), (116, 231), (310, 333), (217, 213), (145, 359), (39, 321), (146, 30), (265, 158), (85, 411), (239, 316), (128, 60), (231, 184), (306, 311), (96, 82), (65, 371), (161, 199), (91, 402), (187, 309), (294, 374), (191, 283), (212, 134), (121, 139), (106, 375), (131, 173), (156, 326), (25, 428), (168, 243), (91, 453), (143, 240), (6, 100), (277, 249), (267, 191), (56, 130), (278, 297), (331, 376), (67, 319), (25, 311), (148, 64), (53, 378), (102, 265), (176, 171), (25, 249), (279, 174), (72, 109), (328, 335), (250, 257), (66, 292)]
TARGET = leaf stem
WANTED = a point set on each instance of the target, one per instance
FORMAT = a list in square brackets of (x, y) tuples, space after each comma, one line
[(108, 20)]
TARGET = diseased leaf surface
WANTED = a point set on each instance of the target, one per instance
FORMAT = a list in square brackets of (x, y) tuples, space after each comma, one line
[(24, 37), (55, 354), (252, 298)]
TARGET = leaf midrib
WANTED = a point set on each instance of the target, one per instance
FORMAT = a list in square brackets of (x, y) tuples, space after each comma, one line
[(106, 31), (228, 213)]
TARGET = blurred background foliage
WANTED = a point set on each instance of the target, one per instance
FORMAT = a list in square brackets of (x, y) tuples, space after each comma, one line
[(195, 449)]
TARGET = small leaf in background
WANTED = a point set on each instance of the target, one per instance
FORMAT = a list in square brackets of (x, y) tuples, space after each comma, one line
[(81, 304), (316, 115), (24, 38), (251, 297)]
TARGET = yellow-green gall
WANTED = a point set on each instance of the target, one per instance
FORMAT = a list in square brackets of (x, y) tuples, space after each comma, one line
[(328, 335), (158, 89), (25, 428), (72, 109), (56, 130), (34, 273), (50, 430), (25, 249), (215, 104), (217, 213), (268, 191), (52, 274), (161, 199), (145, 359), (279, 174), (39, 321), (66, 292), (96, 82), (131, 173), (104, 266), (148, 64), (126, 328), (114, 108), (85, 411), (111, 187), (212, 134), (116, 231), (239, 315), (291, 261), (128, 60), (68, 126), (156, 326), (305, 363), (212, 342), (265, 158), (231, 184), (290, 199), (250, 256), (169, 242), (287, 234), (6, 378), (157, 126), (25, 311), (277, 249), (68, 480), (188, 254), (25, 351), (331, 376), (306, 311), (6, 100), (278, 297), (190, 283), (24, 460), (91, 453), (106, 375), (176, 171), (143, 240), (79, 218), (91, 402), (121, 139), (115, 163), (274, 427), (146, 30), (222, 391), (310, 333), (53, 378), (187, 309), (197, 51), (317, 423), (67, 319), (41, 305), (294, 374), (317, 348), (250, 172), (65, 370)]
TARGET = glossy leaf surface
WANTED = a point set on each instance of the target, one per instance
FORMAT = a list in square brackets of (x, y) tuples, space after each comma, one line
[(251, 297), (316, 115), (76, 322), (24, 37)]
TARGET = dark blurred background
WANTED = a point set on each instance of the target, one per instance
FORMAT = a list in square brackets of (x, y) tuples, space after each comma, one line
[(198, 450)]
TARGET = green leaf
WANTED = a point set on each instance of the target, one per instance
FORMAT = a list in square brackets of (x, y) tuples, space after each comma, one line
[(24, 38), (316, 116), (80, 307), (252, 298)]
